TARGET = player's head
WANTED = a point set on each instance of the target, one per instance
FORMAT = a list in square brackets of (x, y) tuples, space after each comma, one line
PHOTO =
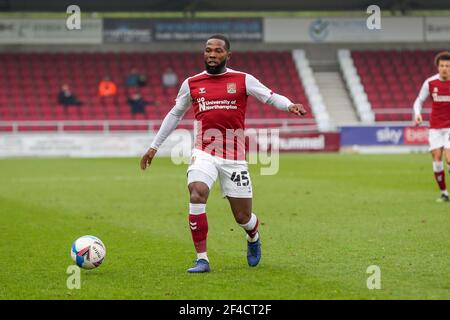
[(442, 61), (217, 52)]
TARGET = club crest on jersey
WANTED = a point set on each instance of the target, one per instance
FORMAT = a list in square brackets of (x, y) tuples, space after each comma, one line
[(201, 90), (231, 87)]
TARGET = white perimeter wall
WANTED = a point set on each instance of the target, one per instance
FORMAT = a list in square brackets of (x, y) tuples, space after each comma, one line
[(354, 30), (89, 145)]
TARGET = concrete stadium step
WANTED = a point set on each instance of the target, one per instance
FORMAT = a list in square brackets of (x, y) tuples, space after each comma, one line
[(336, 98)]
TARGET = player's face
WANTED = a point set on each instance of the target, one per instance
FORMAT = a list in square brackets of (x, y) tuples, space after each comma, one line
[(444, 69), (216, 56)]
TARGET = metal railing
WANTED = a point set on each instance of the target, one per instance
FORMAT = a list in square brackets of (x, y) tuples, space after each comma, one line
[(399, 111), (106, 126)]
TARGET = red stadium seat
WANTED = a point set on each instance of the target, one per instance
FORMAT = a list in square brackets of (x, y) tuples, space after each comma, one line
[(388, 82)]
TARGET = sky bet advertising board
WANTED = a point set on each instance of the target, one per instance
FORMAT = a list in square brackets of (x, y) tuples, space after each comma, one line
[(387, 135)]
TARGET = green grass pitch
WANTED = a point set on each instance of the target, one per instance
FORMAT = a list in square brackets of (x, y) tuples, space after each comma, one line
[(325, 219)]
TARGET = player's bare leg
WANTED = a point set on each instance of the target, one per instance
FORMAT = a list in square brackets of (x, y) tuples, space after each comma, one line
[(242, 211), (447, 157), (198, 223), (439, 173)]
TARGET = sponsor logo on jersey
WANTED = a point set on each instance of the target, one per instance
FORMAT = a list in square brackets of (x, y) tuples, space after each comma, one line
[(205, 105), (201, 104), (439, 98), (231, 87), (201, 90)]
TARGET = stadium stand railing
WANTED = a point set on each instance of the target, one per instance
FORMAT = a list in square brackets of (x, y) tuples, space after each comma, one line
[(67, 126)]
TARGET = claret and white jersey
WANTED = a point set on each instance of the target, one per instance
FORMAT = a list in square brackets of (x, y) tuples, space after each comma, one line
[(219, 103), (439, 91)]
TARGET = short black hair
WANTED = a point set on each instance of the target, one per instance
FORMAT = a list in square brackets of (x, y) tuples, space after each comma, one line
[(221, 37), (444, 55)]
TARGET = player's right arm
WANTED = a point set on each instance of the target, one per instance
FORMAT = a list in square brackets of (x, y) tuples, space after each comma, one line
[(170, 122), (423, 95), (256, 89)]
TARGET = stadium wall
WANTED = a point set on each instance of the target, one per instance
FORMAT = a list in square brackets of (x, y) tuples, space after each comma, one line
[(178, 145), (247, 34), (354, 139), (322, 54)]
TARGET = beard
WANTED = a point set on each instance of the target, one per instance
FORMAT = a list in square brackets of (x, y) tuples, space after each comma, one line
[(217, 68)]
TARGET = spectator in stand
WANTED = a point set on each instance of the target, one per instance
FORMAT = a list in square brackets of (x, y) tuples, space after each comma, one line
[(107, 89), (135, 79), (67, 98), (169, 78), (137, 103)]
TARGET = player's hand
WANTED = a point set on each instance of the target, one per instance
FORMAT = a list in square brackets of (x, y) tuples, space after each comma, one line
[(297, 109), (147, 158), (418, 119)]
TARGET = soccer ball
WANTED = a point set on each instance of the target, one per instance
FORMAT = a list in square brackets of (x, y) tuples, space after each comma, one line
[(88, 252)]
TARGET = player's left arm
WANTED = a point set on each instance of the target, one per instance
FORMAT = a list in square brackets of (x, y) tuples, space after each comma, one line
[(265, 95)]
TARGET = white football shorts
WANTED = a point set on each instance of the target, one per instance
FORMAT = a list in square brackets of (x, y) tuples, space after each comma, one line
[(234, 176), (439, 138)]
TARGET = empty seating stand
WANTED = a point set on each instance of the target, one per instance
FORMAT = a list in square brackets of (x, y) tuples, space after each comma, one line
[(392, 80)]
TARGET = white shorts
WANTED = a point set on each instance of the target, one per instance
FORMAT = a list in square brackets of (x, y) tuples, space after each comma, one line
[(439, 138), (234, 176)]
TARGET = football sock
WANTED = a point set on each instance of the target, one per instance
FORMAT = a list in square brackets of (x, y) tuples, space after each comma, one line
[(439, 174), (203, 256), (251, 227), (198, 223)]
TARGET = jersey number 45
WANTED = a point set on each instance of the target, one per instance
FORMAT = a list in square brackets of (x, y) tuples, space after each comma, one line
[(240, 179)]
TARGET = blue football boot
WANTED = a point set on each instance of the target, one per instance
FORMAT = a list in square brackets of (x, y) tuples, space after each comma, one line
[(253, 252), (201, 265)]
